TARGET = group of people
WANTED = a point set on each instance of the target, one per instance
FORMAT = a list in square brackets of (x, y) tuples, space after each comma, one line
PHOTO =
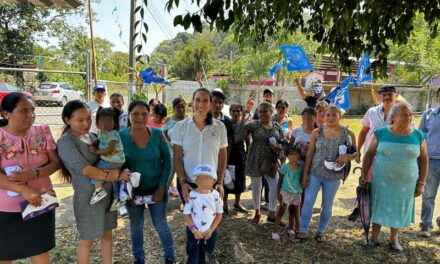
[(102, 148)]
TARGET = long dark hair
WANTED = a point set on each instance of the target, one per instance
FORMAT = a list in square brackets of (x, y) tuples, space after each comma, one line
[(111, 112), (178, 100), (132, 105), (208, 120), (67, 112), (9, 103)]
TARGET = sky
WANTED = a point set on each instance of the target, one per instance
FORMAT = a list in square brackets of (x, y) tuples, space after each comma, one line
[(160, 29)]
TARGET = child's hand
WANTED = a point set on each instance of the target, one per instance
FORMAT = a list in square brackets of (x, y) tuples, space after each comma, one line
[(197, 234), (208, 233), (92, 149), (280, 198)]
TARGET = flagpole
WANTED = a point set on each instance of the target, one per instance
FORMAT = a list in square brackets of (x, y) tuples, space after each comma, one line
[(92, 44)]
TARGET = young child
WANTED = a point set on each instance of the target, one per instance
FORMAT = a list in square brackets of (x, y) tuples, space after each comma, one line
[(110, 150), (289, 192), (202, 215), (158, 116), (117, 101)]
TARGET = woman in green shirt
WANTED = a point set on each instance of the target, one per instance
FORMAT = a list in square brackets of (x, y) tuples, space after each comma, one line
[(147, 152)]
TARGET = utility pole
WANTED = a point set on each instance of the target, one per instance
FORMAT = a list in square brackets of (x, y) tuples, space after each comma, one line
[(92, 45), (131, 57)]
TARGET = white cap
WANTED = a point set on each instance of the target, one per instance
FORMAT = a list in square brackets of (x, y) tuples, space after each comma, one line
[(205, 169)]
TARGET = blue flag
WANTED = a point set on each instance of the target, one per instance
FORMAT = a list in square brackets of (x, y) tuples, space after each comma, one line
[(363, 73), (150, 76), (339, 96), (296, 58), (276, 68)]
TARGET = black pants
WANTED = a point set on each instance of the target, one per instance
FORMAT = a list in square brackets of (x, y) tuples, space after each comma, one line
[(197, 249)]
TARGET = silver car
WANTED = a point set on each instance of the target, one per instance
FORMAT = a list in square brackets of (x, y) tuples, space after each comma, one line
[(58, 93)]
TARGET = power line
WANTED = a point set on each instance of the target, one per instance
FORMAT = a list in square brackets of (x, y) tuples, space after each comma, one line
[(156, 15), (164, 21), (159, 24)]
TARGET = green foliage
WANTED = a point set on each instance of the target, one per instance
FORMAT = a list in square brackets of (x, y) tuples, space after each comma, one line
[(193, 58), (140, 96), (419, 57), (343, 28)]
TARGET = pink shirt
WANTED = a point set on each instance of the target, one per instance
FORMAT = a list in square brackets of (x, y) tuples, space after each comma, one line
[(25, 151), (151, 123)]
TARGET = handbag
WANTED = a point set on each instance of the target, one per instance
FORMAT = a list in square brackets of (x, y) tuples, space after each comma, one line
[(350, 150), (269, 167)]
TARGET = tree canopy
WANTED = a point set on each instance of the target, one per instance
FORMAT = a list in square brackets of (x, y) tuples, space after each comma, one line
[(342, 28)]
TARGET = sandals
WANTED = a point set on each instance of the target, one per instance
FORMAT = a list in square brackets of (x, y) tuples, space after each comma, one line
[(256, 220), (240, 208), (319, 238), (272, 220), (302, 236)]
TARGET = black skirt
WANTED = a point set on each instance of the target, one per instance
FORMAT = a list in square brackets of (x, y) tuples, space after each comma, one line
[(20, 239)]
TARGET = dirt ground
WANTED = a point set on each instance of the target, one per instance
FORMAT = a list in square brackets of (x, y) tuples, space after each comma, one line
[(240, 241)]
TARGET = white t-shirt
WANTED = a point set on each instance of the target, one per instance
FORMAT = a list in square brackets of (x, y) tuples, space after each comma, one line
[(199, 147), (203, 208), (93, 105), (374, 118)]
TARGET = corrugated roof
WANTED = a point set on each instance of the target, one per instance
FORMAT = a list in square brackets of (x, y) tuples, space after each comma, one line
[(62, 3)]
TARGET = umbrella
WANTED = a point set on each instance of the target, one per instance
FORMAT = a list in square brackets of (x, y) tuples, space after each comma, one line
[(363, 198)]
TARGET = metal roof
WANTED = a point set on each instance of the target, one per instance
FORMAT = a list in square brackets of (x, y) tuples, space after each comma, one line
[(48, 3)]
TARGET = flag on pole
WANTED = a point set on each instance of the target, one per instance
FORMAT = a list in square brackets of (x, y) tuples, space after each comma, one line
[(276, 68), (339, 96), (363, 73), (296, 58)]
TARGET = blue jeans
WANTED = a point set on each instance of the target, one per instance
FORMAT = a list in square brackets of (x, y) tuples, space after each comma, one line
[(329, 188), (158, 213), (429, 194), (197, 249)]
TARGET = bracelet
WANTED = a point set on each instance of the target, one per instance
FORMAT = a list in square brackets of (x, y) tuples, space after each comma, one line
[(36, 174), (184, 181), (421, 182), (192, 228)]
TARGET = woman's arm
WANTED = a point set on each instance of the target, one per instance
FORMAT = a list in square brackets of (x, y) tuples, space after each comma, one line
[(309, 157), (300, 89), (28, 174), (165, 153), (368, 159), (422, 162)]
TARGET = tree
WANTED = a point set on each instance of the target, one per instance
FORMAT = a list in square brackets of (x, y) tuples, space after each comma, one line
[(343, 28), (419, 59), (195, 57)]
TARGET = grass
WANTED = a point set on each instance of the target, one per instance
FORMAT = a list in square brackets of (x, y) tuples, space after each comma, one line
[(344, 243)]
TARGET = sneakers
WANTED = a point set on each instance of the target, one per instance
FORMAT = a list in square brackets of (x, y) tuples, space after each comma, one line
[(276, 236), (123, 211), (426, 231), (98, 195), (354, 215), (290, 233), (394, 245), (116, 204), (272, 221)]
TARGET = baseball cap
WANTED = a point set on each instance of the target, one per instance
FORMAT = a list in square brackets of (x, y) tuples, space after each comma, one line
[(205, 169), (268, 90), (388, 88), (101, 86)]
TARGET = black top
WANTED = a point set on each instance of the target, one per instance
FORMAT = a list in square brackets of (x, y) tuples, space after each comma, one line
[(311, 101)]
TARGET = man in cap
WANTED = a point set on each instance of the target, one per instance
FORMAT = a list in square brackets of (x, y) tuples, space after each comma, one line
[(376, 117), (318, 90), (430, 124), (99, 93)]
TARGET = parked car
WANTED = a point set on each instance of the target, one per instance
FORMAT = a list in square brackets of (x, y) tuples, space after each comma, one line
[(56, 93), (6, 88)]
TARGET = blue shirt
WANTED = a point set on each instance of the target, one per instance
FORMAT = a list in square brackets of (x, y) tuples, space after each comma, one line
[(430, 124)]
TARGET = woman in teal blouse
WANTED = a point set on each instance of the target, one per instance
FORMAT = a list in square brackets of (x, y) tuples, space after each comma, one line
[(147, 152)]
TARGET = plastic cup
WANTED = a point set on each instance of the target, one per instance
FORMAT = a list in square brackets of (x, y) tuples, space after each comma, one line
[(135, 179)]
